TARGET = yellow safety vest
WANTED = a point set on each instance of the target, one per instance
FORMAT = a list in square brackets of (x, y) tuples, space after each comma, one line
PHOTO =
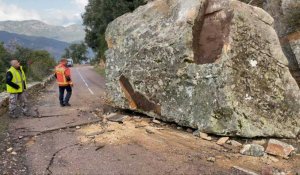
[(17, 79)]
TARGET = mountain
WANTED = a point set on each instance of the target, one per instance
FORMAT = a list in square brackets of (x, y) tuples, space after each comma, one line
[(72, 33), (54, 47)]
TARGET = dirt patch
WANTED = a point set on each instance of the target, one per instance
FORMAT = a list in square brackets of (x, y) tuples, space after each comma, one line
[(10, 163), (177, 147)]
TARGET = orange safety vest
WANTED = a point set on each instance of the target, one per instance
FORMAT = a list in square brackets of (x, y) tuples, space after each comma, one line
[(62, 72)]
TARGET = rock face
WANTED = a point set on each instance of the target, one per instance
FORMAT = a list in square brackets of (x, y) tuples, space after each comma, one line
[(287, 24), (216, 66)]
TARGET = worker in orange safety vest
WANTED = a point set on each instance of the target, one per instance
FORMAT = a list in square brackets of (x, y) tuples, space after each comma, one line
[(63, 78)]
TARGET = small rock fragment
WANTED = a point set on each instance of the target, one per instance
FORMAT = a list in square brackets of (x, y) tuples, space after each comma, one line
[(253, 150), (241, 171), (205, 136), (114, 117), (100, 146), (261, 142), (20, 137), (179, 128), (236, 143), (77, 127), (189, 130), (9, 150), (222, 140), (211, 159), (140, 125), (14, 153), (196, 133), (95, 133), (149, 131), (159, 128), (156, 121), (278, 148)]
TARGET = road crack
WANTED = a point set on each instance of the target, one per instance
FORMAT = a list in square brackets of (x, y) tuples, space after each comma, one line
[(54, 155)]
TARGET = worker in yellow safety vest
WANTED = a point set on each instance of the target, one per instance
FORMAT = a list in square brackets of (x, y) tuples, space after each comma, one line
[(16, 86)]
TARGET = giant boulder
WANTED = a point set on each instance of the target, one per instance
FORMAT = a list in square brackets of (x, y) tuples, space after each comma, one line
[(214, 65)]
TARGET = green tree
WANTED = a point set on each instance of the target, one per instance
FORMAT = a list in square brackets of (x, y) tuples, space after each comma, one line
[(99, 13), (40, 65), (67, 53), (4, 65), (78, 52)]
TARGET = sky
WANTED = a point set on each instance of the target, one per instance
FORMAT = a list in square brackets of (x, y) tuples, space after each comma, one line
[(54, 12)]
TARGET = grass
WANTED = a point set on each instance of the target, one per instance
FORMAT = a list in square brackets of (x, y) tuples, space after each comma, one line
[(100, 70)]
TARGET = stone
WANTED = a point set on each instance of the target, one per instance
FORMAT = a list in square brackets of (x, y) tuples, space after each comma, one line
[(189, 130), (77, 127), (14, 153), (222, 72), (211, 159), (261, 142), (204, 136), (156, 121), (9, 149), (114, 117), (222, 140), (241, 171), (278, 148), (149, 131), (196, 133), (235, 143), (253, 150)]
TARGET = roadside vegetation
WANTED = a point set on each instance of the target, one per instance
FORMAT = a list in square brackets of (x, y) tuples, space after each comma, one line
[(78, 52), (100, 70), (37, 64)]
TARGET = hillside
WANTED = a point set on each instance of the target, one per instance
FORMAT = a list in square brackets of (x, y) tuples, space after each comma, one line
[(55, 47), (69, 34)]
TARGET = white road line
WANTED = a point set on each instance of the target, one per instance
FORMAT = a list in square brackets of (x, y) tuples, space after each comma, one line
[(85, 82)]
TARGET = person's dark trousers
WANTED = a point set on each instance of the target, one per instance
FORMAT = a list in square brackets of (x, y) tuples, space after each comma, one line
[(62, 98)]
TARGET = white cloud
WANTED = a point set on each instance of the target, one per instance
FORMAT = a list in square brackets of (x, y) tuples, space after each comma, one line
[(81, 3), (50, 16), (60, 17), (13, 12)]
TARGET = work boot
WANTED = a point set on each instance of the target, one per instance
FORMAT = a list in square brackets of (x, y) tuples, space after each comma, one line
[(62, 105), (67, 104)]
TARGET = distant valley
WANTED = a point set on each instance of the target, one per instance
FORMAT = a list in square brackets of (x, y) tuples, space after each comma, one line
[(72, 33), (54, 47), (38, 35)]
